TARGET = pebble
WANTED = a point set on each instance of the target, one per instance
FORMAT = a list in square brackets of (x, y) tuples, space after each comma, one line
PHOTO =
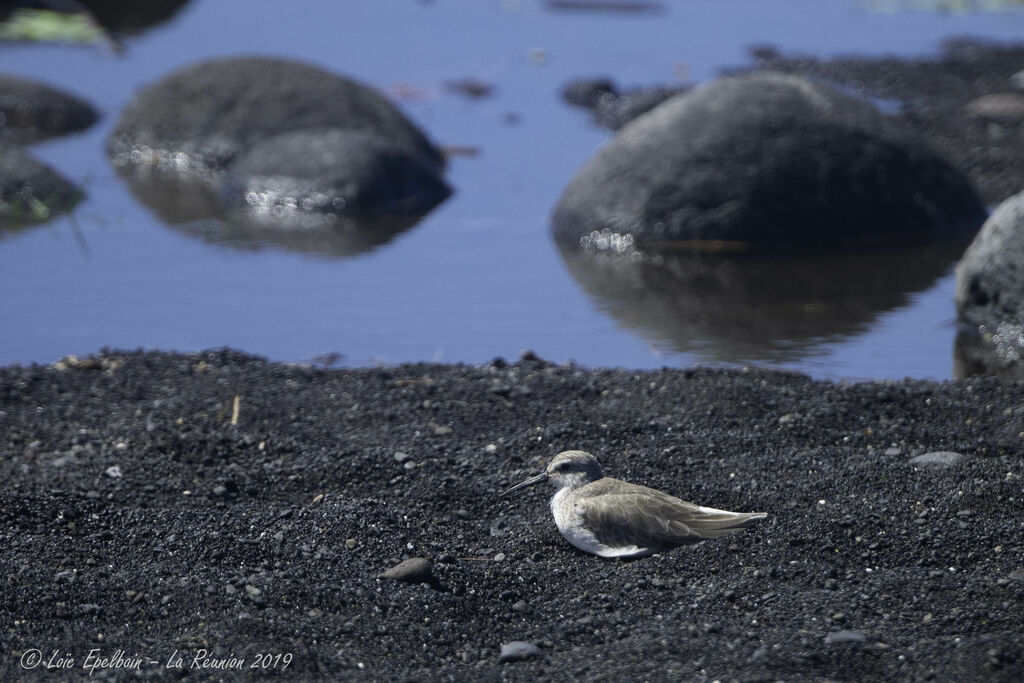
[(413, 570), (845, 637), (1017, 575), (892, 451), (520, 606), (401, 456), (350, 543), (1003, 107), (254, 594), (114, 472), (500, 557), (937, 460), (518, 650)]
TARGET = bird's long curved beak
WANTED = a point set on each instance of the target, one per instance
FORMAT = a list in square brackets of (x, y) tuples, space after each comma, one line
[(543, 476)]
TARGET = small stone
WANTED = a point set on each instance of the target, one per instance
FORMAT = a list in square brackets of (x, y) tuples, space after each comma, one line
[(315, 612), (1002, 107), (1017, 575), (350, 543), (317, 498), (500, 557), (937, 460), (413, 570), (520, 606), (462, 513), (230, 590), (518, 650), (492, 448), (845, 637), (401, 456), (219, 490), (892, 451), (114, 472), (442, 430), (254, 594)]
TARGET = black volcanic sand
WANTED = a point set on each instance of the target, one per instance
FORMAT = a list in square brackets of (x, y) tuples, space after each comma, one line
[(135, 516)]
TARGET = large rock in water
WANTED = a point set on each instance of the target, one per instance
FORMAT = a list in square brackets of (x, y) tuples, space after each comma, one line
[(990, 275), (327, 171), (197, 122), (31, 111), (762, 161), (990, 296)]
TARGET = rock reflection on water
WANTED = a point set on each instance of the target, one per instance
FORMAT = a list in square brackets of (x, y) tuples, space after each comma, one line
[(745, 307), (191, 206)]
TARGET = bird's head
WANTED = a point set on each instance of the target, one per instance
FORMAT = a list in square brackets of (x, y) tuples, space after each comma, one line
[(567, 469)]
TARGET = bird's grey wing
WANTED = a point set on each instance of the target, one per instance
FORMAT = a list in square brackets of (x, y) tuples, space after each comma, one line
[(651, 519)]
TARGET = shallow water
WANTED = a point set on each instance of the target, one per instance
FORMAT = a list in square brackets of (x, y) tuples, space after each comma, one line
[(479, 277)]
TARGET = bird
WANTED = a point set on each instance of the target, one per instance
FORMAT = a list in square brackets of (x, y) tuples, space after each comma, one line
[(613, 518)]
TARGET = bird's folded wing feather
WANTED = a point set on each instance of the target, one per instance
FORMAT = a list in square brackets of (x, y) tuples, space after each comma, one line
[(656, 520)]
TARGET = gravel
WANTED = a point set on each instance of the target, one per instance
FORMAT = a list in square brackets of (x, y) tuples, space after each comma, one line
[(162, 565)]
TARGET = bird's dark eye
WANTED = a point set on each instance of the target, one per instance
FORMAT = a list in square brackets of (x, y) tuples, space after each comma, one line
[(563, 467)]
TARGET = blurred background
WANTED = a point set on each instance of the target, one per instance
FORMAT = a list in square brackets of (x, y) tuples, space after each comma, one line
[(479, 276)]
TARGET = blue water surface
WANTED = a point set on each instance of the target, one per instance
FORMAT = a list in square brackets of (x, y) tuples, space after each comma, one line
[(480, 276)]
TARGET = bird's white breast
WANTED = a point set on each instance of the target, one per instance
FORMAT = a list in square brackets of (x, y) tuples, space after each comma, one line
[(569, 520)]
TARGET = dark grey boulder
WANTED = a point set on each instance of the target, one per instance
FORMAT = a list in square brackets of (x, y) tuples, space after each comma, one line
[(31, 111), (279, 152), (763, 161), (205, 115), (990, 275), (31, 191), (333, 172), (990, 296)]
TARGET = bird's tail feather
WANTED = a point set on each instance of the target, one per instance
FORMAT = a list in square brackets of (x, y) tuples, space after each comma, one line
[(721, 522)]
